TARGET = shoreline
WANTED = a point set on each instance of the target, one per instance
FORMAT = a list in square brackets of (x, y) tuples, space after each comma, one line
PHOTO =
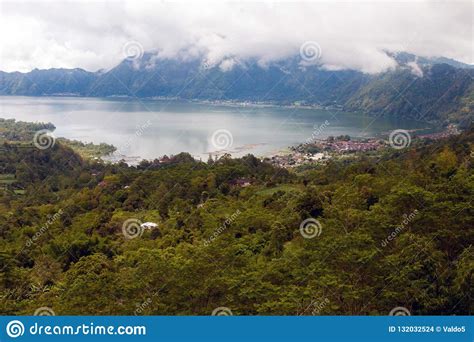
[(226, 103), (292, 156), (116, 156)]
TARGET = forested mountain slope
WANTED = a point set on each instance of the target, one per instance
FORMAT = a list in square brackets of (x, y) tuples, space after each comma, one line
[(396, 229)]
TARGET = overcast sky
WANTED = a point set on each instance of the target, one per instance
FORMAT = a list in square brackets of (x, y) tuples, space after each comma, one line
[(94, 35)]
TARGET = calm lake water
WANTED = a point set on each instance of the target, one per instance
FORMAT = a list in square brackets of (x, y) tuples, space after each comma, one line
[(151, 128)]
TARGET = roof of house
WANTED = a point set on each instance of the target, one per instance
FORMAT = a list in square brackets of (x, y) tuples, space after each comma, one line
[(149, 224)]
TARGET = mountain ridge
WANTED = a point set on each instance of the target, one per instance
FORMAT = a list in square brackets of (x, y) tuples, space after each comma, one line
[(418, 88)]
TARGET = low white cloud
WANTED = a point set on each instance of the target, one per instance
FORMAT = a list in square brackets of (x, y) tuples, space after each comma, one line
[(415, 69), (352, 35)]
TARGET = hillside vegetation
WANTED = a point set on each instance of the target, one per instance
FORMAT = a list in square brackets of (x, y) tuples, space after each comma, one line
[(395, 230)]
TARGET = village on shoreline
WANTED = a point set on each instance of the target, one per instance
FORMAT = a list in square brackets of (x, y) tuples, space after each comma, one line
[(312, 152), (317, 151)]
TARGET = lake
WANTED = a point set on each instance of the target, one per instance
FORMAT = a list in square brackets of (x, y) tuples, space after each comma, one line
[(152, 128)]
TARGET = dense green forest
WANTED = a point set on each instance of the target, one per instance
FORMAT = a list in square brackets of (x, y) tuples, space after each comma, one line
[(20, 131), (26, 133), (393, 229)]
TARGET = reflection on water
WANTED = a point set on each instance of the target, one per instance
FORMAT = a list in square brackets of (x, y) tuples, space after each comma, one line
[(150, 129)]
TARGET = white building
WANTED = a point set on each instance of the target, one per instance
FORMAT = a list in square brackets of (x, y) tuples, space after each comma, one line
[(148, 225)]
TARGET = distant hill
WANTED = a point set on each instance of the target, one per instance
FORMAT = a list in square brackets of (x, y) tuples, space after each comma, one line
[(421, 88), (47, 82), (404, 58)]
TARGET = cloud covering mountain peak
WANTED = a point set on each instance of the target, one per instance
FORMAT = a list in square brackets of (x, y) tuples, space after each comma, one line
[(352, 35)]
